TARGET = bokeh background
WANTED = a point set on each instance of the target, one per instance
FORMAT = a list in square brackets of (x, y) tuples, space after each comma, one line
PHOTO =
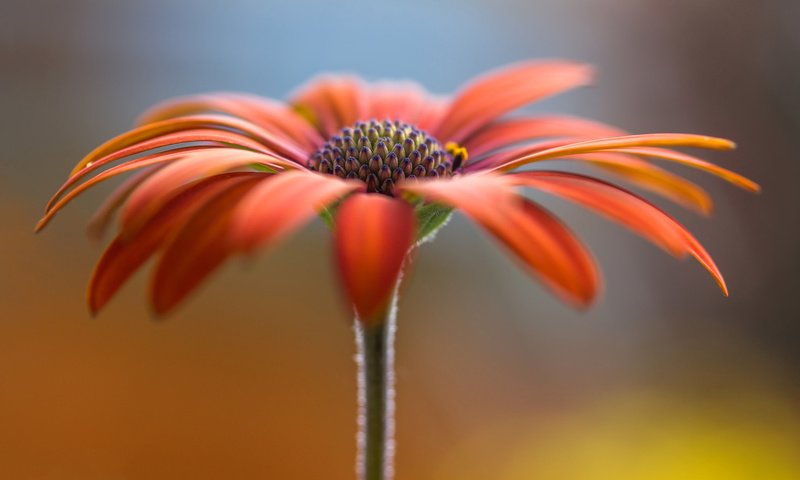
[(254, 377)]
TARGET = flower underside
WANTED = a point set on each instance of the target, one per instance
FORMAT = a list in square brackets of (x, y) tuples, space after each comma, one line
[(382, 154)]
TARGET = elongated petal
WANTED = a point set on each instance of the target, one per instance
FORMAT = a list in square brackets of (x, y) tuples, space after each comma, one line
[(264, 112), (189, 140), (614, 143), (372, 235), (146, 161), (691, 161), (540, 241), (499, 92), (161, 186), (506, 133), (332, 102), (197, 249), (277, 207), (126, 254), (102, 217), (625, 208), (649, 177), (191, 122)]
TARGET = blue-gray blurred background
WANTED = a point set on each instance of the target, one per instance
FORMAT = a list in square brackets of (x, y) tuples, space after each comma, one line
[(254, 378)]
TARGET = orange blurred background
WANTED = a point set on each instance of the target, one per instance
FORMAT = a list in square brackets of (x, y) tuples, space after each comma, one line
[(254, 377)]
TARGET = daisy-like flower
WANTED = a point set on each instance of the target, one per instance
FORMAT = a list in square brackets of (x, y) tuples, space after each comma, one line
[(386, 164)]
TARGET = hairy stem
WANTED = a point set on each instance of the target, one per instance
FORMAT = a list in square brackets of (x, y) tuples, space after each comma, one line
[(376, 395)]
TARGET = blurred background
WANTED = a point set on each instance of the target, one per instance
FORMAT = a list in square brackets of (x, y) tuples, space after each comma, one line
[(253, 378)]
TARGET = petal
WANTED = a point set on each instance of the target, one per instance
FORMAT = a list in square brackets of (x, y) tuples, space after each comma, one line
[(198, 248), (264, 112), (181, 141), (605, 144), (161, 186), (625, 208), (691, 161), (149, 160), (497, 93), (191, 122), (277, 207), (372, 235), (126, 254), (537, 238), (506, 133), (102, 217), (652, 178), (332, 102)]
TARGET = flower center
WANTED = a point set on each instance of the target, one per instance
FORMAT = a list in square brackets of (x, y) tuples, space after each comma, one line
[(381, 154)]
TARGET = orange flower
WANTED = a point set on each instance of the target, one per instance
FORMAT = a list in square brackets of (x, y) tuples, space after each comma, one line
[(223, 174)]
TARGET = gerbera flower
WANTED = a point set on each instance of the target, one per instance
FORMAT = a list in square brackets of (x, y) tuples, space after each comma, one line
[(386, 164), (225, 173)]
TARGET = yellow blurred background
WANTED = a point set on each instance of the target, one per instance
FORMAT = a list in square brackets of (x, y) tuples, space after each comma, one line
[(254, 378)]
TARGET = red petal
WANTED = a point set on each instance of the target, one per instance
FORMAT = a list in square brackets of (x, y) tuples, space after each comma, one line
[(625, 208), (546, 246), (277, 207), (512, 87), (372, 235), (264, 112), (198, 248), (506, 133), (126, 254)]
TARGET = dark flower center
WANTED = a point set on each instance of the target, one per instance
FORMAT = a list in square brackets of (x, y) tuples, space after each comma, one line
[(381, 154)]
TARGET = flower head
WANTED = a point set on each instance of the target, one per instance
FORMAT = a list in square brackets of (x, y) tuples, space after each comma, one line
[(223, 174)]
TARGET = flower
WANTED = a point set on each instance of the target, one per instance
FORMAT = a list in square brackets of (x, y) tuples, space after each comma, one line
[(224, 174)]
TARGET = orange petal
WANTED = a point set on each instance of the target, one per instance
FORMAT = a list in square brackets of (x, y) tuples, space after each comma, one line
[(190, 122), (181, 141), (102, 217), (605, 144), (651, 178), (537, 238), (505, 133), (625, 208), (691, 161), (264, 112), (125, 255), (499, 92), (198, 248), (372, 235), (154, 159), (333, 101), (161, 186), (277, 207)]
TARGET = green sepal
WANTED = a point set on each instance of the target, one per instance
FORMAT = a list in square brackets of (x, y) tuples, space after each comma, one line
[(430, 218)]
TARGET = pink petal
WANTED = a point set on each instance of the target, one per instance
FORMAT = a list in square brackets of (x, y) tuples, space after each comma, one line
[(372, 235)]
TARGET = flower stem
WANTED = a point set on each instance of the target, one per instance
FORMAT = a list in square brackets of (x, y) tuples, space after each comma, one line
[(375, 358)]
